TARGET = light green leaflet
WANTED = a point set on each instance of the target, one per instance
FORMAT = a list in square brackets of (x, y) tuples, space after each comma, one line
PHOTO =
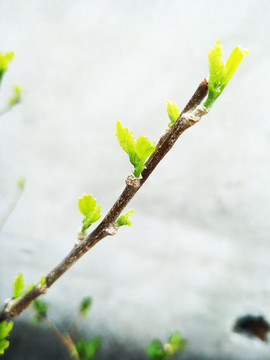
[(21, 183), (90, 209), (5, 329), (220, 73), (18, 286), (42, 280), (177, 342), (173, 112), (85, 305), (138, 151), (16, 97), (5, 59), (29, 287), (124, 219)]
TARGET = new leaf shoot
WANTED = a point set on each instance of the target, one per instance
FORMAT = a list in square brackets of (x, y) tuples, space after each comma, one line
[(138, 151)]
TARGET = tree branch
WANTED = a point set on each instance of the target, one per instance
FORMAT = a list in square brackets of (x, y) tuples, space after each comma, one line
[(189, 116)]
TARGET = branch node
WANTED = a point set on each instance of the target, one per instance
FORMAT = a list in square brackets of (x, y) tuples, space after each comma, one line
[(42, 288), (133, 181), (8, 305), (80, 237), (112, 229), (195, 115)]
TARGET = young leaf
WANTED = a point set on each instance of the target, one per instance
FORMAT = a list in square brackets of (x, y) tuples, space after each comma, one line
[(42, 280), (87, 349), (4, 344), (144, 148), (124, 219), (126, 140), (220, 74), (16, 97), (89, 208), (29, 287), (40, 308), (5, 59), (5, 329), (86, 204), (232, 63), (18, 286), (21, 183), (173, 112), (138, 151), (85, 305), (177, 342), (155, 350)]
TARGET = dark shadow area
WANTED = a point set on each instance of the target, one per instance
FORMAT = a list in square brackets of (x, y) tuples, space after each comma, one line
[(34, 343), (37, 342), (30, 342)]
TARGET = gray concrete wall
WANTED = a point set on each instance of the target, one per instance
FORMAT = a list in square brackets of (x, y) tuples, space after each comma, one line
[(197, 255)]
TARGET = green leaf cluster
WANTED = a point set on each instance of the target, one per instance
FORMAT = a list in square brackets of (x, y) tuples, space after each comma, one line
[(87, 349), (89, 208), (19, 285), (5, 59), (158, 351), (16, 97), (173, 112), (40, 308), (124, 219), (5, 329), (220, 73), (85, 306), (138, 151)]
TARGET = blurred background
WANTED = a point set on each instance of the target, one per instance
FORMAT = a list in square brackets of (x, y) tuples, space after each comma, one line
[(197, 255)]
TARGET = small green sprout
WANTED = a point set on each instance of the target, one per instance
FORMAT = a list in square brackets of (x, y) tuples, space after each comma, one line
[(42, 280), (18, 286), (177, 342), (85, 306), (29, 287), (138, 151), (155, 350), (124, 219), (15, 99), (5, 329), (5, 59), (40, 307), (21, 183), (220, 73), (173, 112), (158, 351), (87, 349), (89, 208)]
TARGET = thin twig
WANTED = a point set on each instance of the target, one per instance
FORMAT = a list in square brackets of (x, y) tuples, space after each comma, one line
[(11, 207), (5, 110), (107, 226), (64, 338)]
